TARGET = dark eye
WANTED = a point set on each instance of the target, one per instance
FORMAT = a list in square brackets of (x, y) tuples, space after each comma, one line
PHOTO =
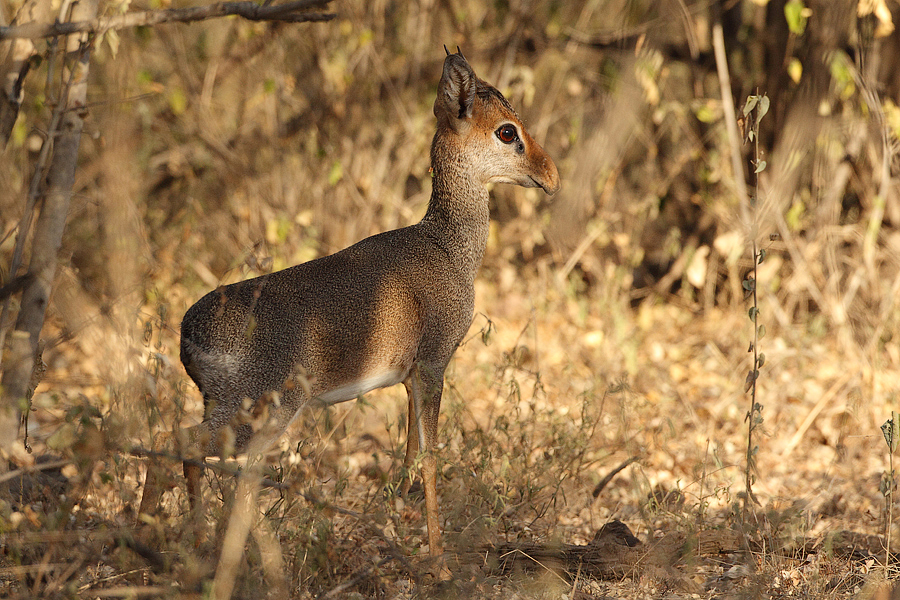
[(507, 134)]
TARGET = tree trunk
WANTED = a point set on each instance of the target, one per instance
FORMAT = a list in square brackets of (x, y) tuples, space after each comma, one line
[(23, 347)]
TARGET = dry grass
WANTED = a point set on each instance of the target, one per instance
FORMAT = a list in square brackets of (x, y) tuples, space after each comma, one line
[(610, 319)]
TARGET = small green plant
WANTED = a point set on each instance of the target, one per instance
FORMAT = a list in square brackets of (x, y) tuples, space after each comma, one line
[(891, 431), (755, 109)]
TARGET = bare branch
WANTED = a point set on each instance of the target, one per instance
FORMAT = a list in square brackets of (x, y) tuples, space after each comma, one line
[(297, 11)]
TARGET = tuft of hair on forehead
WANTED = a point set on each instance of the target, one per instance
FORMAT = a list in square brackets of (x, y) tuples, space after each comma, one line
[(486, 91)]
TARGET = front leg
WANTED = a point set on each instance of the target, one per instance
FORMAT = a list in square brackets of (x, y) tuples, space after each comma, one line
[(425, 386), (412, 441)]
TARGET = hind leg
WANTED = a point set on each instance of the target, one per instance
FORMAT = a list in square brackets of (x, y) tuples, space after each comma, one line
[(192, 475), (157, 479), (154, 484), (412, 443), (192, 442)]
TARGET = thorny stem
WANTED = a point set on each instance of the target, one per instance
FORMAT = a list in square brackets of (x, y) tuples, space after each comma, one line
[(891, 431), (752, 415), (889, 497), (753, 230)]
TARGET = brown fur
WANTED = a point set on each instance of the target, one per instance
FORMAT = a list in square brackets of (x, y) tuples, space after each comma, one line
[(389, 309)]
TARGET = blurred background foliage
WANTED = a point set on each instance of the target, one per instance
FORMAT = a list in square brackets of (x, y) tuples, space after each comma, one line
[(224, 149), (227, 148)]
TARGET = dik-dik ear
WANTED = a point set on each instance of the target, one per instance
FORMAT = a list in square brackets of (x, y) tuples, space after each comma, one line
[(456, 92)]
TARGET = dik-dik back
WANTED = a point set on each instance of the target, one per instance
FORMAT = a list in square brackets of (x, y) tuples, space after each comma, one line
[(389, 309)]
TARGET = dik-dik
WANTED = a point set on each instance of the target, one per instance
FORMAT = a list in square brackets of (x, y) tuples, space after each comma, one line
[(389, 309)]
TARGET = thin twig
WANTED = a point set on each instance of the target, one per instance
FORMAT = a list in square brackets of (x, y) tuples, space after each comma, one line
[(32, 469), (731, 127), (359, 576), (605, 481), (290, 12), (221, 467), (889, 498)]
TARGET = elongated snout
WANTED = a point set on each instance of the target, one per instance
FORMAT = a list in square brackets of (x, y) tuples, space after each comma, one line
[(549, 183), (543, 173)]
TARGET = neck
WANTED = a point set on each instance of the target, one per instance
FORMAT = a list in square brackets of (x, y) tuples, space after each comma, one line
[(458, 218)]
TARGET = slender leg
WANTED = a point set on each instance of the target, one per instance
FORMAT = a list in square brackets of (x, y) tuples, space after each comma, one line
[(153, 488), (412, 442), (432, 510), (425, 397), (186, 442), (194, 443), (192, 474), (156, 481)]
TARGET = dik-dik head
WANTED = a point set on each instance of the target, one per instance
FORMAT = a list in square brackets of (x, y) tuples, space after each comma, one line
[(476, 125)]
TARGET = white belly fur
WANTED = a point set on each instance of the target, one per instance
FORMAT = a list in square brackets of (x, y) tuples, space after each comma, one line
[(355, 389)]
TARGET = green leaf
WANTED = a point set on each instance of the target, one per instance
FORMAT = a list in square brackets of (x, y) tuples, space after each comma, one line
[(761, 256), (795, 213), (760, 167), (750, 104), (486, 333), (843, 75), (336, 173), (796, 14), (177, 101), (763, 108), (748, 381), (277, 230), (20, 133), (63, 438), (761, 360), (761, 332), (705, 114), (749, 284), (753, 313)]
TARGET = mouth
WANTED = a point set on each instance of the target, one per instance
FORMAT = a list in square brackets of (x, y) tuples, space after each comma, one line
[(549, 187)]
